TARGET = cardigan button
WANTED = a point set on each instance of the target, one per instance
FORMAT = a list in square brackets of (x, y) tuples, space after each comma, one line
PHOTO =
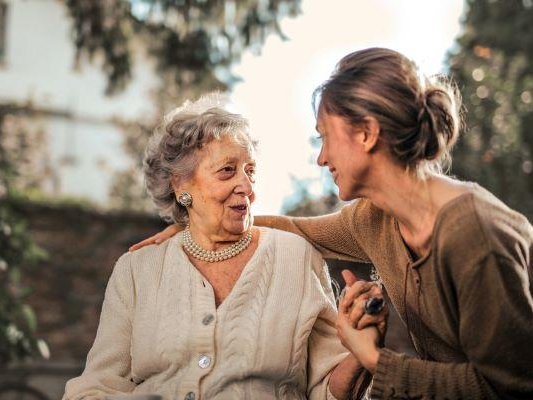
[(189, 396), (204, 361), (208, 318)]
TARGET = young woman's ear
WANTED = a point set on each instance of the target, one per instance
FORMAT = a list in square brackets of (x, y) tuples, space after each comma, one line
[(371, 130)]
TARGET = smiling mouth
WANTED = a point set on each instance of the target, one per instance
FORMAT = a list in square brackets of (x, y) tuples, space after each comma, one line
[(240, 208)]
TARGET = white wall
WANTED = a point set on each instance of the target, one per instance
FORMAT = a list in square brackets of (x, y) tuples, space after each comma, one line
[(39, 67)]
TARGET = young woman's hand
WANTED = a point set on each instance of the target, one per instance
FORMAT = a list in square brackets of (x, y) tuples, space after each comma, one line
[(160, 237), (357, 293), (362, 343), (359, 331)]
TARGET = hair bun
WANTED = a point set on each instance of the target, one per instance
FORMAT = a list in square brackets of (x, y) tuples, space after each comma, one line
[(418, 118), (437, 123)]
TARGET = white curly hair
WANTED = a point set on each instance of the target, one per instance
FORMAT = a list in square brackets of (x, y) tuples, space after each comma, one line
[(172, 151)]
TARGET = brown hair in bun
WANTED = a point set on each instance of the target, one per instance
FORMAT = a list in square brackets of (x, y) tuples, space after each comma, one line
[(419, 118)]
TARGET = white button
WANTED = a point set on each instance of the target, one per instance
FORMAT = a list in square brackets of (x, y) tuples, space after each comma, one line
[(204, 361)]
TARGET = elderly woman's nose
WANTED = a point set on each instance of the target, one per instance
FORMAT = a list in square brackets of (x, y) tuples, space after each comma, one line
[(245, 184)]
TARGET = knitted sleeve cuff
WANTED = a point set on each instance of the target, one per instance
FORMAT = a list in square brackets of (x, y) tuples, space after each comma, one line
[(388, 374)]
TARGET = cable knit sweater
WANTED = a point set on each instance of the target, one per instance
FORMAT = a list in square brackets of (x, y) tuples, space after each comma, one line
[(273, 337)]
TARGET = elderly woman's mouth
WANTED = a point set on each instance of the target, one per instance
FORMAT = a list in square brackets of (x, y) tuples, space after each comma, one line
[(240, 208)]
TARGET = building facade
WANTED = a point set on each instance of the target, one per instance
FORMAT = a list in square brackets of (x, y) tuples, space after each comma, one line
[(66, 99)]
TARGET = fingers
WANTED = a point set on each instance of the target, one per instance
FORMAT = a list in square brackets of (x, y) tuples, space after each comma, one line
[(145, 242), (160, 237), (382, 328), (368, 320), (356, 290), (344, 306), (170, 231), (353, 305), (343, 327), (349, 277), (357, 312)]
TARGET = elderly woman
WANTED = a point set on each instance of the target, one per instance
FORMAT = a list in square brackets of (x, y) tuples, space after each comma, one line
[(223, 310)]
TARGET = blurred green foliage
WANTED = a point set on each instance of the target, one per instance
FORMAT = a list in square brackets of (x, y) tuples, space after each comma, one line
[(18, 253), (17, 319), (493, 66), (193, 42)]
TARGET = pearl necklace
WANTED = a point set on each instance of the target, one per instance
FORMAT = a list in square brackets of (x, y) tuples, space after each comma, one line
[(213, 256)]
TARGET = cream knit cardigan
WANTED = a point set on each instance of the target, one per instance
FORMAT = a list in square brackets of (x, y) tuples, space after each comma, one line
[(273, 337)]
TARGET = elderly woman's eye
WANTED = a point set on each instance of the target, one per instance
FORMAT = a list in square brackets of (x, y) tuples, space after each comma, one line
[(227, 169), (251, 174)]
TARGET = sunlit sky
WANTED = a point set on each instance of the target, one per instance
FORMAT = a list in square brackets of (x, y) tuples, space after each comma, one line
[(276, 88)]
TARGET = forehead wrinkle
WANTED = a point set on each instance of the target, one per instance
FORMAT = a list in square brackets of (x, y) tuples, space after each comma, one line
[(229, 159), (228, 156), (223, 160)]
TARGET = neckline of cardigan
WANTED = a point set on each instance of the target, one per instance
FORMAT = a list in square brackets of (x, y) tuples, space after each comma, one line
[(263, 240)]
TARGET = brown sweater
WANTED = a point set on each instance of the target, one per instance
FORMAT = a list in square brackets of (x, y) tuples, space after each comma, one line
[(467, 304)]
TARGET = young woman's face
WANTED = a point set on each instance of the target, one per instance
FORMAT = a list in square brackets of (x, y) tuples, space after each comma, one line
[(223, 188), (343, 153)]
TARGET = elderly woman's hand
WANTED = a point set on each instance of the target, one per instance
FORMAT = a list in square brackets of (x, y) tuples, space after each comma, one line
[(356, 295), (362, 343), (160, 237)]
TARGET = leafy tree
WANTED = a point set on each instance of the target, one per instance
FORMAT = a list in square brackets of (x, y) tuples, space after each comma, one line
[(492, 65), (193, 41)]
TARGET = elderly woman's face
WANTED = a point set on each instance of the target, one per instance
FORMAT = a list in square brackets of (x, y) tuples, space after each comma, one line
[(222, 188)]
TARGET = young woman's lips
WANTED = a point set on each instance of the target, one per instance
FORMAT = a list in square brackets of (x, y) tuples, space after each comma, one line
[(240, 209), (333, 174)]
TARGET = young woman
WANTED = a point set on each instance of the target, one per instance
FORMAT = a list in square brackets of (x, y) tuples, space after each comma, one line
[(455, 260)]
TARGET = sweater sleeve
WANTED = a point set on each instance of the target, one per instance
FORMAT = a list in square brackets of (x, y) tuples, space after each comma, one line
[(108, 366), (329, 234), (325, 349), (495, 331)]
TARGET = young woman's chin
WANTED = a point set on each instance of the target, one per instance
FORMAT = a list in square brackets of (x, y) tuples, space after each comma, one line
[(347, 193), (347, 196)]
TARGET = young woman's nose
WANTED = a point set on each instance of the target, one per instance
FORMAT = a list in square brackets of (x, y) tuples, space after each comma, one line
[(321, 160)]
